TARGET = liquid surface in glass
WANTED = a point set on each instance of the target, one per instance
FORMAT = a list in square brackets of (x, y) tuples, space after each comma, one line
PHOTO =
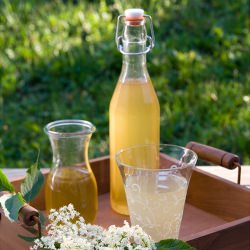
[(72, 185), (156, 203), (134, 119)]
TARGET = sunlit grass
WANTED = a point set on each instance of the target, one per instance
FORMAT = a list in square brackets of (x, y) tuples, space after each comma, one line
[(58, 59)]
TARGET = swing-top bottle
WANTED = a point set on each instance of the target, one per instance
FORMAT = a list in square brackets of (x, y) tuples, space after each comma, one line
[(134, 113)]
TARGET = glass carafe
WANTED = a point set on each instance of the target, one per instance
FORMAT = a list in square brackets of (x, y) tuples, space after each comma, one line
[(71, 179), (134, 113)]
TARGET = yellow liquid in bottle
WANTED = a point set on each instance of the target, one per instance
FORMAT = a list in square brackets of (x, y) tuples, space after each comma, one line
[(134, 119), (72, 185)]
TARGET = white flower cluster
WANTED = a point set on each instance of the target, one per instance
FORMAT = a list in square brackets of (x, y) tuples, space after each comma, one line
[(69, 231)]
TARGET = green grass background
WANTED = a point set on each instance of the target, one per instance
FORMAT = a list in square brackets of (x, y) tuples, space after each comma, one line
[(58, 60)]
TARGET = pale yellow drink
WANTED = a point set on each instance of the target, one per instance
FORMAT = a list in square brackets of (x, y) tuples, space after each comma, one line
[(156, 203), (134, 119)]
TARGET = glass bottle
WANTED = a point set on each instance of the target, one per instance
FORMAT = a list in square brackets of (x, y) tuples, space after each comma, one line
[(134, 112), (71, 179)]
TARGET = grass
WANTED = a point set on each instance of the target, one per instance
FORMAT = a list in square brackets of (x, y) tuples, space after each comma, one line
[(58, 60)]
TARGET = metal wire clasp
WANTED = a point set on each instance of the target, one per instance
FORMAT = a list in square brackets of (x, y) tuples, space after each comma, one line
[(150, 39)]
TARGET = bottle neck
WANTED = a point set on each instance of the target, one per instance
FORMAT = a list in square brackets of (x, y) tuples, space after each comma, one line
[(134, 42), (134, 66)]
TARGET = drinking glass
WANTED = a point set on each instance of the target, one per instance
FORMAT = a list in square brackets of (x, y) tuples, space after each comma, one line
[(156, 179)]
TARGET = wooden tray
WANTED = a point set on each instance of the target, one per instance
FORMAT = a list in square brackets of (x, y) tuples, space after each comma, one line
[(216, 215)]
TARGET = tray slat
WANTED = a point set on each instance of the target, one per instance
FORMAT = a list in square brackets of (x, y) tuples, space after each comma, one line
[(218, 196), (230, 236)]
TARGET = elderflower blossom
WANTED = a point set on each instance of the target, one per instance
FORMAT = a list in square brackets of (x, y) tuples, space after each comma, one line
[(65, 234)]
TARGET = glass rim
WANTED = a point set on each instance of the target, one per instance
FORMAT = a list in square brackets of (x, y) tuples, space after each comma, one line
[(183, 166), (67, 122)]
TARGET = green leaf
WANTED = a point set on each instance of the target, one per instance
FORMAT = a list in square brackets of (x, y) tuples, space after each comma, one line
[(5, 185), (42, 219), (11, 204), (173, 244), (57, 245), (32, 183), (28, 239)]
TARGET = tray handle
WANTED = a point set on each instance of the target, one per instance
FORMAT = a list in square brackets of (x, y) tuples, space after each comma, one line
[(216, 156), (29, 216)]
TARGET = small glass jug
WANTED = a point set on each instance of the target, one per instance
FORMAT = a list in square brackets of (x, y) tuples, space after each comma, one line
[(71, 179)]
